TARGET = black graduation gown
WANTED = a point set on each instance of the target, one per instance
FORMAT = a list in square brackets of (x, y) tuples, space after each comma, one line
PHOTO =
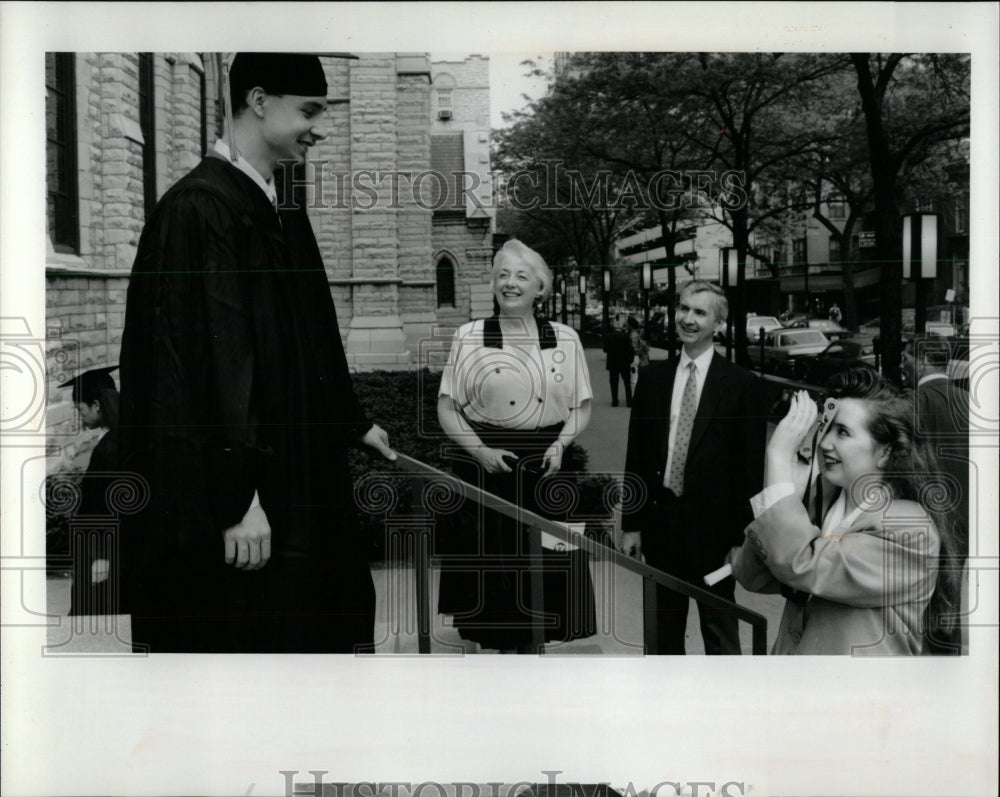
[(93, 533), (234, 379)]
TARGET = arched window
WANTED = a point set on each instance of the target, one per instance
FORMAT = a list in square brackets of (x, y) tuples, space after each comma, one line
[(444, 275), (62, 208)]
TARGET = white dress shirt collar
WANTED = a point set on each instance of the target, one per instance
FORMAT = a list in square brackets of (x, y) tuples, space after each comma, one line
[(267, 186), (701, 362)]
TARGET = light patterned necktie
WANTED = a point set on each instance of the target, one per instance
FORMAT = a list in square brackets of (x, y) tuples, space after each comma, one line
[(685, 423)]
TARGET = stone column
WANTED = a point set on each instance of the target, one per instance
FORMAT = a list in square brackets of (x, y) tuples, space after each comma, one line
[(375, 338)]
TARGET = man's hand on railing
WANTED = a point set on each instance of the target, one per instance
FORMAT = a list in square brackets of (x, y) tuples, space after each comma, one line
[(493, 459), (378, 439), (248, 543), (631, 544)]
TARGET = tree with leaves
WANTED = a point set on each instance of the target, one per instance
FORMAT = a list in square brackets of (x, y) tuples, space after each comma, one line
[(911, 103)]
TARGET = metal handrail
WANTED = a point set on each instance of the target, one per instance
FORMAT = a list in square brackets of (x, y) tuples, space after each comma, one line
[(537, 524)]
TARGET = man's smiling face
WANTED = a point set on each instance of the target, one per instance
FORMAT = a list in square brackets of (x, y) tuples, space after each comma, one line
[(697, 319), (291, 125)]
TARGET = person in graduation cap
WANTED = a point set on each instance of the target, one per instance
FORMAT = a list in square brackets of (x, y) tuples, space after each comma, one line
[(237, 403), (94, 579)]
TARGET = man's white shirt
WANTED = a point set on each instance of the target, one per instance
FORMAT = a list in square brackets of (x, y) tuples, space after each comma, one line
[(267, 186)]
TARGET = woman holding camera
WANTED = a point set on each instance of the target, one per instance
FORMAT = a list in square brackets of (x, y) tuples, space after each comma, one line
[(869, 574), (514, 393)]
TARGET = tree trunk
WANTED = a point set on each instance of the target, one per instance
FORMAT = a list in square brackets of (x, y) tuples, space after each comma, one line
[(737, 302), (888, 246), (668, 234), (851, 320)]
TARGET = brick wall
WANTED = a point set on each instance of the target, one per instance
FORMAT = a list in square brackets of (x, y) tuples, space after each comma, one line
[(468, 82), (468, 245), (84, 318), (470, 97), (414, 154), (85, 294), (329, 203)]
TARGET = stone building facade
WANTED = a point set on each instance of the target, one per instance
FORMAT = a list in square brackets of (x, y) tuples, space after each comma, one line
[(123, 127)]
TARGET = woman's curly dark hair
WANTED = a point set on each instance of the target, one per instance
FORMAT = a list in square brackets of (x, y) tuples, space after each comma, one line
[(912, 473)]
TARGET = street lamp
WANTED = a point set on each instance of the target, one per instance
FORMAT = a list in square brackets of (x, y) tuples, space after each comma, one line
[(920, 250), (606, 282), (728, 266), (647, 285), (562, 297), (583, 298), (729, 263)]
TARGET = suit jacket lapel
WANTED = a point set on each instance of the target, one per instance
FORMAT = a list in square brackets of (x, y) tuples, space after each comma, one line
[(715, 381), (663, 400)]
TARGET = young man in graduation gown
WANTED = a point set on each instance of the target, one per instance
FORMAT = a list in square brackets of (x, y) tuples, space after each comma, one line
[(237, 403), (92, 543)]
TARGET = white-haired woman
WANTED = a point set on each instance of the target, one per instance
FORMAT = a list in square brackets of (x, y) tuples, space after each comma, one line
[(515, 393)]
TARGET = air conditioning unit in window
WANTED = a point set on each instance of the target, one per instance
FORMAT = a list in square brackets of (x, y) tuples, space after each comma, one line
[(444, 113)]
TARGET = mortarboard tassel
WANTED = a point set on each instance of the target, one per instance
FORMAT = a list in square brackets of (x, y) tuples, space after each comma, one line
[(227, 103)]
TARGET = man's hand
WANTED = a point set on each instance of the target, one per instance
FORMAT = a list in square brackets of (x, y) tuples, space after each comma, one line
[(492, 459), (631, 544), (378, 439), (248, 544), (99, 570)]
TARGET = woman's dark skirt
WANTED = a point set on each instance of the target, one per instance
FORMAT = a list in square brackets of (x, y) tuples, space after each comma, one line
[(485, 556)]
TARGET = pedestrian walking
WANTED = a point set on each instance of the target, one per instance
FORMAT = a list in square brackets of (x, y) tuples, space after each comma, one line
[(618, 346)]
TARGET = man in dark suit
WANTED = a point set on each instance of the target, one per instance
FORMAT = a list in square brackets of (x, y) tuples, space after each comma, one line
[(941, 419), (618, 347), (696, 439)]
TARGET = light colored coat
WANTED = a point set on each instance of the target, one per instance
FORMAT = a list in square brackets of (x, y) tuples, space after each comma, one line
[(868, 587)]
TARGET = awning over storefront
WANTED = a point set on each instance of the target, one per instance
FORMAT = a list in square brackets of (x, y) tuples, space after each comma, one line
[(830, 282)]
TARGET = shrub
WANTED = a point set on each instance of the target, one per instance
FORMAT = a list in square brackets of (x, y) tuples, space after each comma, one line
[(61, 491)]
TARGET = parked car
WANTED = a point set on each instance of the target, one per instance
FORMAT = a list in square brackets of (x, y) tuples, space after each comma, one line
[(831, 329), (874, 326), (853, 352), (783, 347), (794, 320), (755, 322)]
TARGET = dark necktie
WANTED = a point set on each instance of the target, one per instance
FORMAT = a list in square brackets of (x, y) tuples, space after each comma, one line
[(685, 423)]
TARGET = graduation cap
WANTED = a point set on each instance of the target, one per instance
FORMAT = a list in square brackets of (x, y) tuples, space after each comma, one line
[(276, 73), (87, 386)]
